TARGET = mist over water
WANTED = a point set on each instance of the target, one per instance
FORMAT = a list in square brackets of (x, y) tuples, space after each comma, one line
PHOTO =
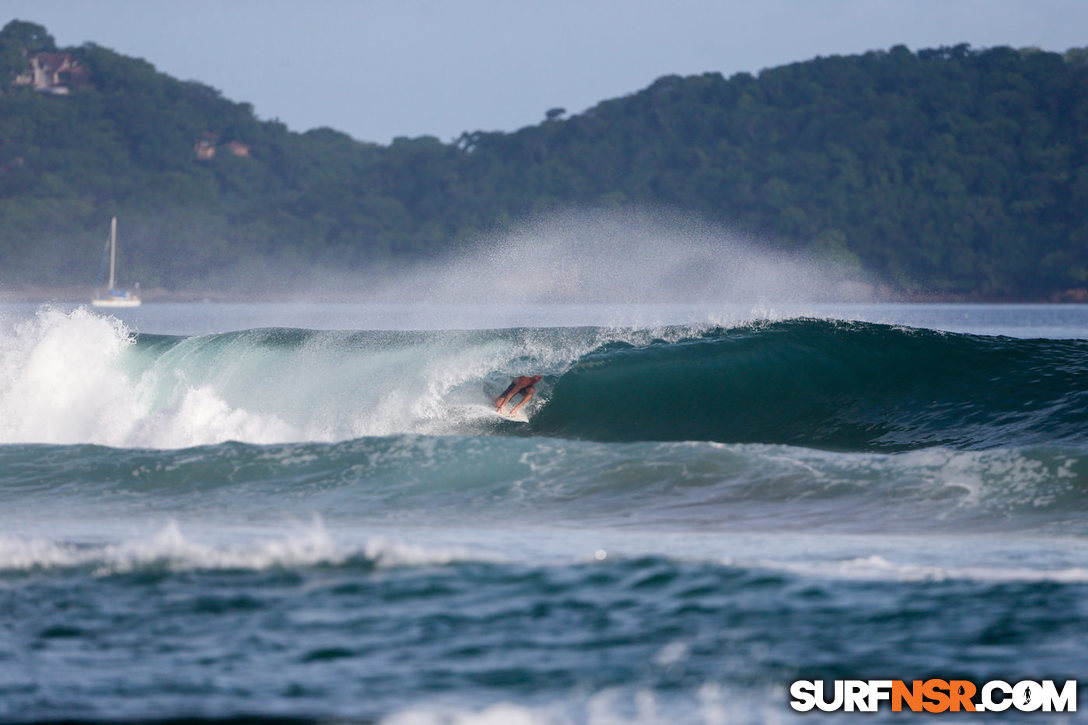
[(605, 256)]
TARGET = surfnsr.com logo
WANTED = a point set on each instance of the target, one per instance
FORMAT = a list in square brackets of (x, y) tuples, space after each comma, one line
[(934, 696)]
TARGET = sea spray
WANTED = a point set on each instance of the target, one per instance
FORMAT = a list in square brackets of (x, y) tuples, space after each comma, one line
[(619, 256)]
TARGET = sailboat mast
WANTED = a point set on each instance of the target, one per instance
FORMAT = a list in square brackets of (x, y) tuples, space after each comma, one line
[(113, 248), (113, 297)]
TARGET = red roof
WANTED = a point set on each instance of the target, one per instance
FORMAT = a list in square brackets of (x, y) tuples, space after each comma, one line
[(52, 61)]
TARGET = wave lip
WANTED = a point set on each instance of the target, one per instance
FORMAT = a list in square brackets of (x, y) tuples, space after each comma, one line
[(845, 386)]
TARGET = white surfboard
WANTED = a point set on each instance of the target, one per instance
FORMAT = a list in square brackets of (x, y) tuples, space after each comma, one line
[(477, 412), (519, 416)]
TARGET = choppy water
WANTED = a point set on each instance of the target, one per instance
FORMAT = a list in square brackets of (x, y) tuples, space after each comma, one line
[(222, 512)]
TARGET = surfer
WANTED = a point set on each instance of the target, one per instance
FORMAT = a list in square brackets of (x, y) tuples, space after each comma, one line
[(522, 384)]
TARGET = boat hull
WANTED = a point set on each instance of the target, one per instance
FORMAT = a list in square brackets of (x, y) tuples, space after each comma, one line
[(131, 302)]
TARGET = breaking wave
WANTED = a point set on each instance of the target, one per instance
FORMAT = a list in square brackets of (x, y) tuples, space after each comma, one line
[(75, 378)]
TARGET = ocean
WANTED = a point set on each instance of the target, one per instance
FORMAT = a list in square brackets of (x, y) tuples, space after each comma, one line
[(308, 513)]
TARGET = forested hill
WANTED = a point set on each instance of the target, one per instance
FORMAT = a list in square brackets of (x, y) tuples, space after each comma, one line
[(954, 171)]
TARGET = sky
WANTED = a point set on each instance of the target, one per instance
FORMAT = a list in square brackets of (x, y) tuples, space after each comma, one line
[(378, 69)]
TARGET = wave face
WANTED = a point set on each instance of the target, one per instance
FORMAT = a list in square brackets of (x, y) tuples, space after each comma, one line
[(73, 378), (849, 386)]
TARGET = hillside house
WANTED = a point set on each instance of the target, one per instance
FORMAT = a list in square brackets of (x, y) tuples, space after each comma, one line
[(55, 73), (204, 150)]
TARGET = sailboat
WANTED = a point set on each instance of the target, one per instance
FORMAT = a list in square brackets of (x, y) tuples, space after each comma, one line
[(113, 297)]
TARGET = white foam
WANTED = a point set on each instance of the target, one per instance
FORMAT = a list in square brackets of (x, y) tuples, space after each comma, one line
[(302, 546), (61, 380), (877, 568), (710, 704), (500, 714), (386, 553), (203, 417), (70, 377), (169, 549)]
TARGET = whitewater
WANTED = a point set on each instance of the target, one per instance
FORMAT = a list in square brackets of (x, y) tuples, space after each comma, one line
[(311, 512)]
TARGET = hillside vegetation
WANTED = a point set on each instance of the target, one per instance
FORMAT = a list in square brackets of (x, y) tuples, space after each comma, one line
[(954, 171)]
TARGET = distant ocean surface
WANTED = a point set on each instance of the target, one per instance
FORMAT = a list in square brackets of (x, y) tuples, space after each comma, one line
[(308, 512)]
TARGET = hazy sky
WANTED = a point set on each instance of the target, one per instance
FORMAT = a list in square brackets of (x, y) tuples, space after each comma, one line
[(383, 68)]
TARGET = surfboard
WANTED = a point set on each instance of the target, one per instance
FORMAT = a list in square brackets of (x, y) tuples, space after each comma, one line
[(520, 416), (471, 412)]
